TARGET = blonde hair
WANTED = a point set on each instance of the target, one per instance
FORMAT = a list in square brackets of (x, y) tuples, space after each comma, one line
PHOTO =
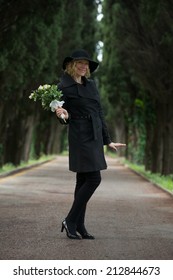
[(70, 69)]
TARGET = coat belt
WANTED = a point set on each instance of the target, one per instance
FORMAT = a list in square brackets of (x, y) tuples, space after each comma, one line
[(77, 117), (87, 117)]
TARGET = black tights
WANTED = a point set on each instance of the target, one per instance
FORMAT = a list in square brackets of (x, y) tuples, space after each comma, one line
[(86, 184)]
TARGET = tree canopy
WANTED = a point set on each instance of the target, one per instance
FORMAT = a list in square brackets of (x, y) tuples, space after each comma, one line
[(134, 77), (35, 36), (137, 80)]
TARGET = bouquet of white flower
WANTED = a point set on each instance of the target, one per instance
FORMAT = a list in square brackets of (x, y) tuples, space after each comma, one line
[(50, 96)]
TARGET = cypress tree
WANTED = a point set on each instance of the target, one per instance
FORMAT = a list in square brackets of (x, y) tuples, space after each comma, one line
[(142, 47), (35, 36)]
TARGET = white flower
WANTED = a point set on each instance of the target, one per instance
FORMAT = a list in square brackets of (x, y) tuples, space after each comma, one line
[(31, 96), (40, 88), (47, 93), (46, 86)]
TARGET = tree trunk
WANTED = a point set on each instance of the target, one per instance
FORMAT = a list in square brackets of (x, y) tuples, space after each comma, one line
[(167, 164), (2, 128), (54, 141), (157, 144), (28, 126), (148, 146), (120, 133)]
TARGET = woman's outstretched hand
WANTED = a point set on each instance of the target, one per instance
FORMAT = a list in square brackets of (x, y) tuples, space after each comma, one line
[(115, 146)]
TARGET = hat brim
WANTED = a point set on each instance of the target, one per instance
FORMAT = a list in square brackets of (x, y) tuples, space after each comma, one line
[(92, 64)]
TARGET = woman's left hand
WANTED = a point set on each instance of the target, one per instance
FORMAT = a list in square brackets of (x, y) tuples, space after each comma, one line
[(115, 146)]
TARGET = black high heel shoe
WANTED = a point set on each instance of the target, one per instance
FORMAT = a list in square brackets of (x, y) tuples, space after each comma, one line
[(71, 235), (83, 232)]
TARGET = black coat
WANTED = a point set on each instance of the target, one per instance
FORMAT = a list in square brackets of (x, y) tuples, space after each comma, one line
[(87, 129)]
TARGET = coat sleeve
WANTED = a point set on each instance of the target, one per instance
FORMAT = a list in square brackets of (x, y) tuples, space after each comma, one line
[(105, 132)]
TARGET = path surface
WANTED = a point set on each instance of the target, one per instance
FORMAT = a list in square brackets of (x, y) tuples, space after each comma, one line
[(130, 217)]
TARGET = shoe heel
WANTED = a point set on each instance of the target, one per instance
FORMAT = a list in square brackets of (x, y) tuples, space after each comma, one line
[(62, 228), (69, 234)]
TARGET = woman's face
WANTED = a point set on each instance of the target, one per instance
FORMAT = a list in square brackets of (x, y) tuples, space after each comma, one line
[(81, 67)]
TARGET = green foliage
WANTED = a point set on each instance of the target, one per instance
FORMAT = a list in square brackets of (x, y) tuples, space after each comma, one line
[(10, 167), (35, 36), (137, 78), (165, 182), (46, 94)]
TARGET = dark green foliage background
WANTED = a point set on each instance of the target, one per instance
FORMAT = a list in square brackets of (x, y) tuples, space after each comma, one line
[(135, 77)]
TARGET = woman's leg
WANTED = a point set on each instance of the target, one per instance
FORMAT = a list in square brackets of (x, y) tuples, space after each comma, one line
[(80, 180), (85, 187)]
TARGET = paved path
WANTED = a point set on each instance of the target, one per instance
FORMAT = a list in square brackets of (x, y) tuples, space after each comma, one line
[(130, 218)]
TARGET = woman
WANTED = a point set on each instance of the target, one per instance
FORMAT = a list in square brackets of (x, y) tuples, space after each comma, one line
[(87, 136)]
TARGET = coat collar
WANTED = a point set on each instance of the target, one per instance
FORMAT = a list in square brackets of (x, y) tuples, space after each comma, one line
[(68, 81), (87, 91)]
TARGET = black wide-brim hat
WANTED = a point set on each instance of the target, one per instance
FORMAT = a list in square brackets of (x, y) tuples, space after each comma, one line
[(80, 55)]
